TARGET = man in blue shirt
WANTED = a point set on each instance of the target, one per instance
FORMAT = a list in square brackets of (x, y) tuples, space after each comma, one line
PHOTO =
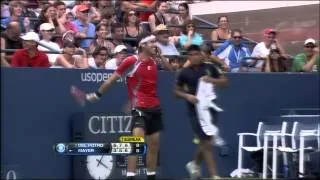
[(233, 51), (84, 26)]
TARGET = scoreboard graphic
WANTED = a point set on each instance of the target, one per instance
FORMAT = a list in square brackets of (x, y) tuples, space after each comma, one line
[(85, 149), (101, 160)]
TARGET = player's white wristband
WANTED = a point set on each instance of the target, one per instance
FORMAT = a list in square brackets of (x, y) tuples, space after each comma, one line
[(97, 94)]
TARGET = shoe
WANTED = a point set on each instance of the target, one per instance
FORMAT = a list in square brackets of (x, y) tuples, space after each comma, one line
[(216, 177), (193, 169), (218, 141)]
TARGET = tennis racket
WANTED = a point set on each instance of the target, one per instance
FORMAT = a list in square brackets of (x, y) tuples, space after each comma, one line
[(68, 36), (78, 95)]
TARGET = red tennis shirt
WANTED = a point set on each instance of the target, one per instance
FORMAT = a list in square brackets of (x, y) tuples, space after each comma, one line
[(142, 80)]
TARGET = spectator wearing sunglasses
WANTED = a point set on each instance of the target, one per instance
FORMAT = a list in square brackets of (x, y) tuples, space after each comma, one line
[(47, 32), (309, 60), (190, 36), (132, 26), (233, 51)]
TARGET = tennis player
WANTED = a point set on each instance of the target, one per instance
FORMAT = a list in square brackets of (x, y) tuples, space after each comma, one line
[(141, 72), (196, 85)]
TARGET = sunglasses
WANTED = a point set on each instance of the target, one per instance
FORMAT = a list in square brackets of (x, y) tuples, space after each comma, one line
[(51, 30), (132, 14), (237, 37), (309, 46)]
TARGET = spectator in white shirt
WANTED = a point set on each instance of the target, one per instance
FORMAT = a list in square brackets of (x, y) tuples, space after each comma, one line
[(262, 49), (47, 31), (120, 53)]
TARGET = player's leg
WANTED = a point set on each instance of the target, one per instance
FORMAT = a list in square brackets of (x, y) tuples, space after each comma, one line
[(208, 150), (193, 167), (198, 157), (138, 129), (153, 128), (153, 141)]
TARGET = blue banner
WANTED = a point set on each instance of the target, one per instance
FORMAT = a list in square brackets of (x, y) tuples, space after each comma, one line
[(37, 112)]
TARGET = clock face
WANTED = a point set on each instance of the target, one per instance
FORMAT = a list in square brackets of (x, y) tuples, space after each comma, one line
[(100, 167)]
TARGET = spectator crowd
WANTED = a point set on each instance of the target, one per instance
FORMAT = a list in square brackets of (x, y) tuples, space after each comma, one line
[(100, 34)]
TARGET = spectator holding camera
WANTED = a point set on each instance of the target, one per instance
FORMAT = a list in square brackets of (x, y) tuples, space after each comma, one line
[(274, 62), (262, 49), (309, 60)]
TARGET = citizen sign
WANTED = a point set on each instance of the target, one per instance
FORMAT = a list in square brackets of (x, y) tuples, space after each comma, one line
[(109, 124)]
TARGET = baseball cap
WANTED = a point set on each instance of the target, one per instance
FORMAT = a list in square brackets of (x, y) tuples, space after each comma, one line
[(269, 31), (31, 36), (310, 40), (119, 48), (46, 27), (82, 8)]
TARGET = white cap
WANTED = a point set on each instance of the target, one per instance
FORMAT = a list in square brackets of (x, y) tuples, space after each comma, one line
[(31, 36), (119, 48), (46, 27), (310, 40)]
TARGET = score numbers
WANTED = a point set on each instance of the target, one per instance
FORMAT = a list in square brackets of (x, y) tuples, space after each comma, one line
[(128, 148)]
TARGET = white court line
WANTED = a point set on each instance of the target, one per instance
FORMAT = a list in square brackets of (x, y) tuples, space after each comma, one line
[(300, 115)]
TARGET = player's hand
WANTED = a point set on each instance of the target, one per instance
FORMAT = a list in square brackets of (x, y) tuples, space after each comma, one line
[(192, 99), (225, 67), (92, 97)]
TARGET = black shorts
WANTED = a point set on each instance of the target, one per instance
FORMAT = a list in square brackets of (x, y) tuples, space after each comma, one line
[(195, 124), (148, 119)]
